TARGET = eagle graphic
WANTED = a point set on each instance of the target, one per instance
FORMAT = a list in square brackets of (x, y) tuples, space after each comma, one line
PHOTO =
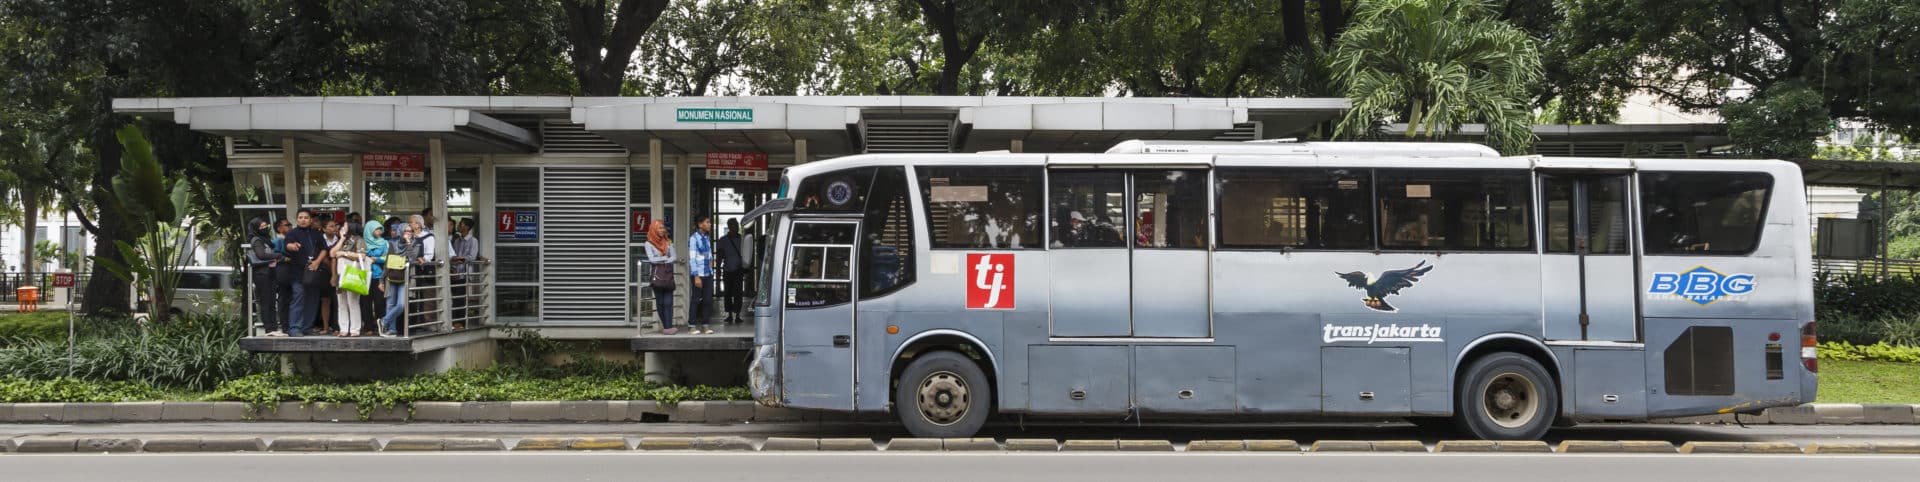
[(1389, 283)]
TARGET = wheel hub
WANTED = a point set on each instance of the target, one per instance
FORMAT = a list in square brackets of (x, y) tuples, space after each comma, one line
[(943, 398), (1510, 400)]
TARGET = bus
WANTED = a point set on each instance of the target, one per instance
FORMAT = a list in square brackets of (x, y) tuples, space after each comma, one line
[(1439, 283)]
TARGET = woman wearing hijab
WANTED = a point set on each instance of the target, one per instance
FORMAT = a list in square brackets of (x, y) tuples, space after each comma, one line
[(400, 244), (262, 260), (660, 260), (374, 301), (351, 251)]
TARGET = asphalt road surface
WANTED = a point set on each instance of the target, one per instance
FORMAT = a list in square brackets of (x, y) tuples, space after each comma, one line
[(897, 467), (1303, 433)]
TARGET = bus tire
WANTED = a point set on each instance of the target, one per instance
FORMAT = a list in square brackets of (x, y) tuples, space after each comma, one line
[(1506, 396), (943, 394)]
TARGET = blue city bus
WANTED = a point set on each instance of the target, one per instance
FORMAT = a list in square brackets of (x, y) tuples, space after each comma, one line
[(1163, 281)]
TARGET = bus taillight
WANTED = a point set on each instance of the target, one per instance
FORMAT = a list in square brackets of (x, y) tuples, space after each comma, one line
[(1810, 347)]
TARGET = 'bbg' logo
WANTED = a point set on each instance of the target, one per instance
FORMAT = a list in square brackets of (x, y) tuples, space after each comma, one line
[(1701, 285)]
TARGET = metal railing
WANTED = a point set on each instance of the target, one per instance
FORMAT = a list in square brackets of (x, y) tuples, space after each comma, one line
[(468, 304), (468, 301), (1869, 266), (10, 281)]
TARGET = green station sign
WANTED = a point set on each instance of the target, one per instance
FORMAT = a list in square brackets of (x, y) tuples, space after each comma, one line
[(705, 114)]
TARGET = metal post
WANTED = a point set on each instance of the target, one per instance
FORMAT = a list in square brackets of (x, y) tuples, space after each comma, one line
[(442, 242), (70, 330), (1885, 255)]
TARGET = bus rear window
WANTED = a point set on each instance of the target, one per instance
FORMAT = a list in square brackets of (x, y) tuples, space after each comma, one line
[(1704, 212)]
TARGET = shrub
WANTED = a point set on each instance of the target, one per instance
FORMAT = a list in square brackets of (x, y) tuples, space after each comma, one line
[(1876, 352), (1860, 309), (20, 390), (193, 352), (40, 325), (496, 384)]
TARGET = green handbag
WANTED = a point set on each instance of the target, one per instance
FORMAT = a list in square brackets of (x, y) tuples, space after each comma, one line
[(354, 279)]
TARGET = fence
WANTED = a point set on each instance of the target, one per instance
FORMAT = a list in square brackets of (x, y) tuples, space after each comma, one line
[(9, 282), (470, 295), (1870, 266)]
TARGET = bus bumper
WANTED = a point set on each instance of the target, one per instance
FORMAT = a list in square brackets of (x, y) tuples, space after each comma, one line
[(762, 374)]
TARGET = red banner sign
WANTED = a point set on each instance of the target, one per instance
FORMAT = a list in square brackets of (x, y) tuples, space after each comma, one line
[(391, 166), (737, 166)]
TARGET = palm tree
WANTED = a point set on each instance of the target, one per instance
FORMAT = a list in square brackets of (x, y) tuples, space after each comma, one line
[(1437, 64), (25, 186)]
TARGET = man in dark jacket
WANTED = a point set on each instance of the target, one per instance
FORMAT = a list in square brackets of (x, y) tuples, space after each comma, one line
[(733, 270), (306, 248)]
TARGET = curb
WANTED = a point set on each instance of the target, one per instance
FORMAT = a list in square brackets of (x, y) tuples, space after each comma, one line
[(1492, 446), (1902, 448), (736, 411), (1413, 446), (1617, 447), (309, 444), (1740, 448)]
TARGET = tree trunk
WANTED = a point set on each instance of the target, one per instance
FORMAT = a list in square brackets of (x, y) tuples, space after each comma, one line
[(30, 211), (106, 295), (1413, 122), (1333, 20), (1293, 23)]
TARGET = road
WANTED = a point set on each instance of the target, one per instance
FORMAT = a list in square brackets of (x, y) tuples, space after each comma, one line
[(896, 467), (1303, 433)]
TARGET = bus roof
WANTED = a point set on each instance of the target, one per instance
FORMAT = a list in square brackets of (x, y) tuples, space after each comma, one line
[(1320, 149)]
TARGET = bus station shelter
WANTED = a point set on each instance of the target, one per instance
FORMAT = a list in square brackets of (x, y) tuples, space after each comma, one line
[(562, 187)]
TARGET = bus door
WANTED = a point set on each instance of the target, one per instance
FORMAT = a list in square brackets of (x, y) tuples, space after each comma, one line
[(1588, 264), (817, 327), (1130, 253)]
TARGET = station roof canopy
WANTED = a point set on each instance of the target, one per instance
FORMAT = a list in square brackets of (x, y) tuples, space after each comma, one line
[(830, 125), (1859, 174)]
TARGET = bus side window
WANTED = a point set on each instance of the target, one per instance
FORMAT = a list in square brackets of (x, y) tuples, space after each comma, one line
[(1089, 209), (1455, 210), (1264, 208), (974, 207), (886, 244)]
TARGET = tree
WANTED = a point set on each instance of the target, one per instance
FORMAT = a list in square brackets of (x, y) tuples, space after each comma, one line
[(601, 52), (1437, 64), (156, 204), (1856, 56), (699, 45), (30, 163)]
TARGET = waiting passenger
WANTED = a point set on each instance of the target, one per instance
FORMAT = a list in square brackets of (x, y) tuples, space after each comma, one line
[(285, 274), (660, 261), (262, 263), (349, 253), (373, 303), (466, 250), (401, 245), (700, 270)]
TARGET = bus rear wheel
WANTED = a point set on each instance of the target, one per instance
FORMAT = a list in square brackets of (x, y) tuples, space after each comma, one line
[(943, 394), (1506, 396)]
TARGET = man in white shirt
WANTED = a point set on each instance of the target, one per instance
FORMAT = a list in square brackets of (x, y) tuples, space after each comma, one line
[(466, 249)]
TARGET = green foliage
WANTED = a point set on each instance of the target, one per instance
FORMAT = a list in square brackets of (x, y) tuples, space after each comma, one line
[(1435, 65), (196, 352), (1855, 55), (1840, 350), (1859, 309), (155, 204), (48, 326), (1780, 122), (267, 390), (21, 390)]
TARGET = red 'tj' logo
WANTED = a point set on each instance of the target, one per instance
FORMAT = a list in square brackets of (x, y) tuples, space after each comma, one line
[(990, 281)]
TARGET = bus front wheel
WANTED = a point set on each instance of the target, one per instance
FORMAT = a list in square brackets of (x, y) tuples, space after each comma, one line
[(1506, 396), (943, 394)]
